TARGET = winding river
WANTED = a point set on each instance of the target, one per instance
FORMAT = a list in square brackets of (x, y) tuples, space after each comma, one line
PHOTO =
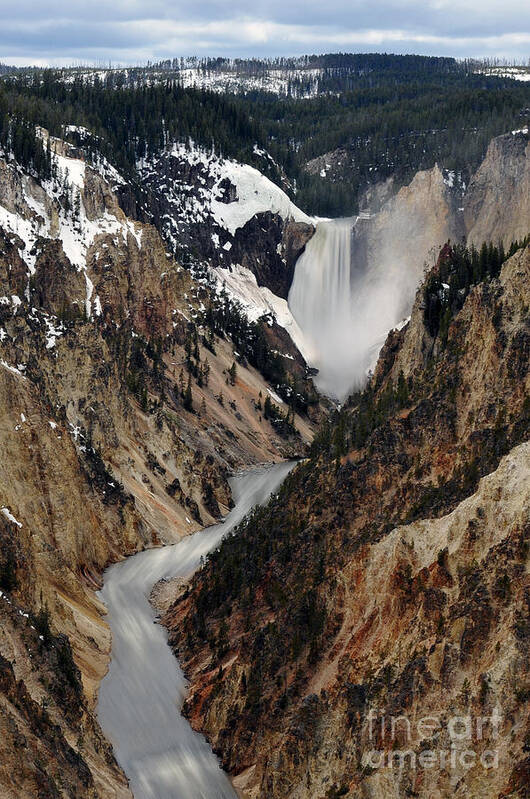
[(141, 695)]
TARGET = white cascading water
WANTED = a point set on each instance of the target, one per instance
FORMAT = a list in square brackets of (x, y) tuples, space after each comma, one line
[(344, 310), (140, 697)]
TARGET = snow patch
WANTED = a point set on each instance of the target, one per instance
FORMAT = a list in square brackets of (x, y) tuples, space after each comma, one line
[(515, 73), (7, 513), (256, 194), (275, 397), (13, 369), (449, 180), (402, 324), (257, 301)]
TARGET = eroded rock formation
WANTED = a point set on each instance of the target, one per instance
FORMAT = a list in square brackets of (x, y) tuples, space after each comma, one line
[(389, 579)]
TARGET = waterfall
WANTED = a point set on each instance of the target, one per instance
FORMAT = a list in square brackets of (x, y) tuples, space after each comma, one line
[(343, 306)]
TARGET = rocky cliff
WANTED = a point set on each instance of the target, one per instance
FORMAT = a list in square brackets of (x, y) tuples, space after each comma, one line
[(504, 173), (226, 213), (388, 580), (407, 232), (408, 228)]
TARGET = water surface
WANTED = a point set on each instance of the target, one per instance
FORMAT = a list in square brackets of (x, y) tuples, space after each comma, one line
[(141, 695)]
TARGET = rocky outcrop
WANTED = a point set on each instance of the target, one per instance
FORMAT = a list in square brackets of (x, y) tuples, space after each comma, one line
[(332, 165), (407, 233), (269, 247), (387, 579), (376, 195), (402, 238), (56, 285), (497, 201), (267, 235)]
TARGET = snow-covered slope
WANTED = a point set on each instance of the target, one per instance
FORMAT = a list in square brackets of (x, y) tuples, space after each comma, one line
[(516, 73), (58, 209), (276, 81), (256, 194), (301, 83), (201, 186), (258, 301), (234, 219)]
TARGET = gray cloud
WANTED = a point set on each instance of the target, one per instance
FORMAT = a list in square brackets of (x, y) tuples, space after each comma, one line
[(131, 31)]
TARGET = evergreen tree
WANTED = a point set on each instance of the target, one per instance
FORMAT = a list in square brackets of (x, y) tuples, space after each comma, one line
[(188, 397), (206, 372)]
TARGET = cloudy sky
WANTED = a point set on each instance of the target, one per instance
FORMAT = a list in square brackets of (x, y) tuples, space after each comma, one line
[(133, 31)]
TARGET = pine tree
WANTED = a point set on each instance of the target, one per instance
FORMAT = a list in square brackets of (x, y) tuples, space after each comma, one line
[(188, 349), (188, 397), (402, 393), (482, 262), (8, 573)]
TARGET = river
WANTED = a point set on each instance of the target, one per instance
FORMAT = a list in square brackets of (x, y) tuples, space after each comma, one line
[(141, 695)]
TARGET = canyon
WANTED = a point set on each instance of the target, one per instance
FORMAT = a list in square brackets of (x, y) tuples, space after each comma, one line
[(148, 354)]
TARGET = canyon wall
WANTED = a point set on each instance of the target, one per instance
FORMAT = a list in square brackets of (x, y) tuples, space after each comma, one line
[(388, 578), (497, 201), (119, 425)]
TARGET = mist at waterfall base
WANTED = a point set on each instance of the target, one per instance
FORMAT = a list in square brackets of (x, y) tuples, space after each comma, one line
[(141, 695), (345, 306)]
